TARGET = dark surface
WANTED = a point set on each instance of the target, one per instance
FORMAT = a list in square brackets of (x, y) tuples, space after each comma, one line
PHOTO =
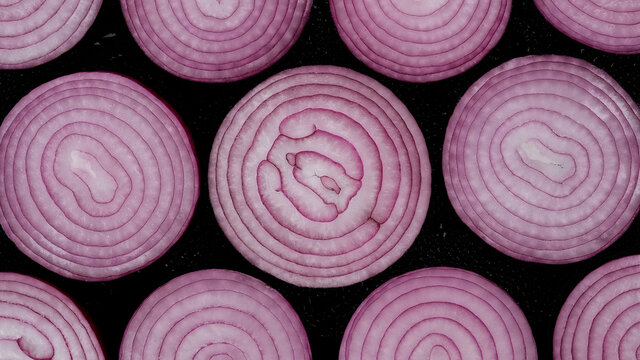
[(540, 290)]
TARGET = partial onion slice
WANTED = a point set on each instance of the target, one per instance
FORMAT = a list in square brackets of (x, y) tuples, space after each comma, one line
[(37, 321), (541, 159), (601, 317), (215, 314), (420, 41), (215, 40), (612, 26), (33, 32), (97, 176), (320, 176), (438, 313)]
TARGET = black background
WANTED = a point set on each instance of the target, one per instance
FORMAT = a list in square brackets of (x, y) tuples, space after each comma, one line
[(539, 289)]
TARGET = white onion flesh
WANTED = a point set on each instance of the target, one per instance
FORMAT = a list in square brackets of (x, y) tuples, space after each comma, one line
[(320, 176), (33, 32), (438, 313), (37, 321), (98, 176), (420, 41), (541, 159), (215, 314), (612, 26), (217, 40)]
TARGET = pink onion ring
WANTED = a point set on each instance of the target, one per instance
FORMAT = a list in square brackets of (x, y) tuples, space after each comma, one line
[(438, 313), (215, 40), (541, 159), (320, 176), (612, 26), (601, 317), (420, 41), (33, 32), (215, 314), (37, 321), (97, 176)]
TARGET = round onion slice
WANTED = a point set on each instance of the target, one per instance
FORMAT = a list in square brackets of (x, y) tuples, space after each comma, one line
[(37, 321), (215, 40), (612, 26), (438, 313), (33, 32), (420, 41), (97, 176), (601, 317), (541, 159), (320, 176), (215, 314)]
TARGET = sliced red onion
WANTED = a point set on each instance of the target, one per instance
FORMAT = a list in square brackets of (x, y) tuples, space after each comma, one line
[(420, 41), (215, 314), (320, 176), (438, 313), (601, 317), (541, 159), (37, 321), (612, 26), (97, 176), (33, 32), (215, 40)]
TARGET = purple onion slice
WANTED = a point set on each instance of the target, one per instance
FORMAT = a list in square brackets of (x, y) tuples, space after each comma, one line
[(612, 26), (420, 41), (541, 159), (97, 176), (320, 176), (601, 317), (215, 314), (438, 313), (33, 32), (215, 40), (37, 321)]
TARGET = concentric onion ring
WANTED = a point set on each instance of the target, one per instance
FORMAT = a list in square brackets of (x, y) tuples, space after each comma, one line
[(37, 321), (98, 176), (601, 317), (215, 40), (541, 159), (612, 26), (438, 313), (33, 32), (215, 314), (320, 176), (420, 41)]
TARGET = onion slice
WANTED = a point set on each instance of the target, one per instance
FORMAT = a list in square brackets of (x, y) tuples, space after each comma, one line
[(601, 317), (612, 26), (215, 40), (215, 314), (33, 32), (438, 313), (37, 321), (420, 41), (320, 176), (97, 176), (541, 159)]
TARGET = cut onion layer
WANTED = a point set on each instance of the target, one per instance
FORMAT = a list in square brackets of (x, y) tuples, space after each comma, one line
[(420, 41), (97, 176), (541, 159), (215, 314), (37, 321), (438, 313), (215, 40), (601, 317), (33, 32), (612, 26), (320, 176)]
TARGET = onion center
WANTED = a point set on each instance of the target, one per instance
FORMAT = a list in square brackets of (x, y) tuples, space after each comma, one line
[(100, 183), (418, 7), (439, 353), (220, 9)]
